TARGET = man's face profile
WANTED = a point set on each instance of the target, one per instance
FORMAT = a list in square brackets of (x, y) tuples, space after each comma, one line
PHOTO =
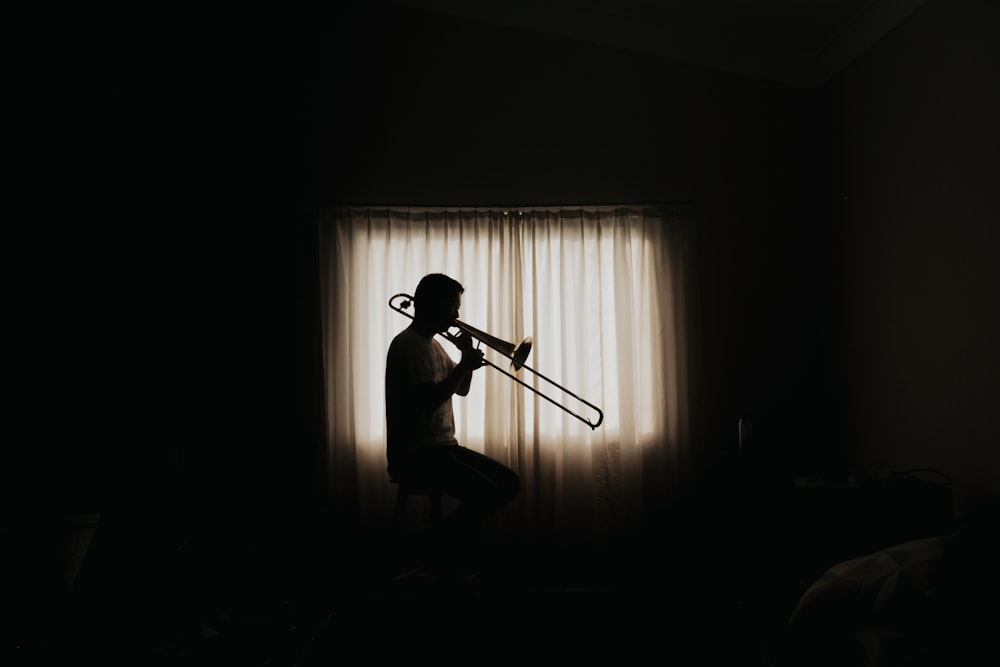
[(448, 313)]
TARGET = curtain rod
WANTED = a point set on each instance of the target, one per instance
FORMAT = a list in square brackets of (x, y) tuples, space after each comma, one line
[(512, 206)]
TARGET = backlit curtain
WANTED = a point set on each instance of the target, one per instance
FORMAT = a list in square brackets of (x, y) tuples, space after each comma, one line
[(602, 290)]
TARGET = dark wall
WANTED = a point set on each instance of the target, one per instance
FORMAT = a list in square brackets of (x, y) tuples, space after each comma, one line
[(160, 318), (909, 149), (421, 109)]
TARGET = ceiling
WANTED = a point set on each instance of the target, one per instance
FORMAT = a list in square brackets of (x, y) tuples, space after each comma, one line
[(796, 42)]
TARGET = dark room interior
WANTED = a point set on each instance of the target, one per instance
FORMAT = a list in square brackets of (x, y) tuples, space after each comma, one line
[(174, 495)]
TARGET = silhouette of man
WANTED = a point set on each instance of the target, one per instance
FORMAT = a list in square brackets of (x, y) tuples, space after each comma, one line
[(420, 381)]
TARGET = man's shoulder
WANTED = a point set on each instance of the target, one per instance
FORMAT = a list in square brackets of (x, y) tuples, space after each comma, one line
[(408, 339), (406, 335)]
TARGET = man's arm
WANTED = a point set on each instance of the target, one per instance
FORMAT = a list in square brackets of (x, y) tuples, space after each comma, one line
[(471, 360), (459, 381), (465, 383)]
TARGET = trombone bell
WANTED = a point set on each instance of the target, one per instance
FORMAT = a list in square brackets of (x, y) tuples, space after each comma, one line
[(521, 354)]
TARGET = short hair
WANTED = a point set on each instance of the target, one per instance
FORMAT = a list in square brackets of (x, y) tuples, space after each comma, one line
[(434, 288)]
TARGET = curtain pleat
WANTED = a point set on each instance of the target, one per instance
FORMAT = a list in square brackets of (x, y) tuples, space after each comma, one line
[(603, 293)]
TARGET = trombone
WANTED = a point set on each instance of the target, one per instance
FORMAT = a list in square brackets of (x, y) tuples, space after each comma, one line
[(517, 355)]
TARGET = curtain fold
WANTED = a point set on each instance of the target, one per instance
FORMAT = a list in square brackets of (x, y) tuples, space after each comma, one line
[(604, 293)]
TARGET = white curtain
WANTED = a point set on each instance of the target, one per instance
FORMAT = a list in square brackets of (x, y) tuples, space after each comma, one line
[(602, 290)]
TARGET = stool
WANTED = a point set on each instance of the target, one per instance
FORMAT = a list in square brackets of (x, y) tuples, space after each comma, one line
[(403, 492)]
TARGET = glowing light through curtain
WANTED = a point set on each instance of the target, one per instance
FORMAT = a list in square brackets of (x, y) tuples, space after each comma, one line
[(603, 293)]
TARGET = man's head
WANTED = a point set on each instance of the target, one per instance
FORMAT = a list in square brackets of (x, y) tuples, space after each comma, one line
[(437, 301)]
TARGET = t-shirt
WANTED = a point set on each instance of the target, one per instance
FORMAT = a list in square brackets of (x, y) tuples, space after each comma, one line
[(414, 360)]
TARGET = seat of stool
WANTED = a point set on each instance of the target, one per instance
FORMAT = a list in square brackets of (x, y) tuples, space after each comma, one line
[(406, 489)]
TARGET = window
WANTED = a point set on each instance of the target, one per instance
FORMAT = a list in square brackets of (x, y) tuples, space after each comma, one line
[(601, 290)]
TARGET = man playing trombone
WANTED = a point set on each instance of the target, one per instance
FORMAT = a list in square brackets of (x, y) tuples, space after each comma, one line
[(420, 380)]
